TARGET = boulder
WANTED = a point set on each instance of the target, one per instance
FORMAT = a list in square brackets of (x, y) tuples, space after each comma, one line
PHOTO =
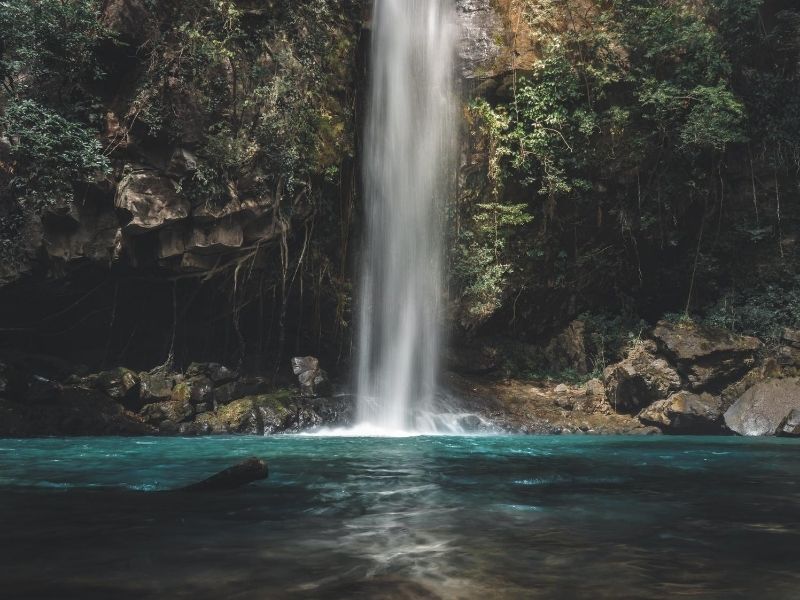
[(791, 425), (708, 357), (175, 411), (788, 356), (182, 163), (201, 390), (265, 414), (216, 372), (150, 201), (764, 408), (247, 471), (156, 385), (313, 380), (639, 380), (233, 390), (685, 412), (121, 385), (791, 337), (240, 416)]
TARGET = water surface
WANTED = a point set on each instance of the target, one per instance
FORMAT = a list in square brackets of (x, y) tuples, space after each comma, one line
[(419, 517)]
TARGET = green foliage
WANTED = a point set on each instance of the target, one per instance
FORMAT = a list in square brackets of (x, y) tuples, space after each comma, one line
[(762, 309), (52, 155), (484, 248), (48, 61), (626, 140), (256, 87), (49, 46), (609, 336)]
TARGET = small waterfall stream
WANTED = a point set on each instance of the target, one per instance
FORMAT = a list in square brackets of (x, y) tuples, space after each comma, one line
[(409, 146)]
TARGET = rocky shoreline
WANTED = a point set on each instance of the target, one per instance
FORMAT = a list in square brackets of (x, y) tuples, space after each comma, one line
[(681, 379)]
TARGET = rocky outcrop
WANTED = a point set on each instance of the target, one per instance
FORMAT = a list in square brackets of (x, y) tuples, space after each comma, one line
[(495, 40), (685, 412), (536, 407), (639, 380), (765, 408), (709, 358), (150, 201), (481, 28), (208, 398), (313, 380), (791, 424)]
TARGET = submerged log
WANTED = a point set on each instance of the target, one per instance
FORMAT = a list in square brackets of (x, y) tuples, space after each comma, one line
[(247, 471)]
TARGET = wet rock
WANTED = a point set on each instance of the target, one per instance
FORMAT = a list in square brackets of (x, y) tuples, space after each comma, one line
[(639, 380), (175, 411), (708, 357), (216, 372), (168, 427), (150, 201), (685, 412), (225, 394), (156, 385), (240, 416), (247, 471), (122, 385), (313, 380), (764, 407), (791, 425), (198, 427), (335, 411), (251, 386), (201, 390)]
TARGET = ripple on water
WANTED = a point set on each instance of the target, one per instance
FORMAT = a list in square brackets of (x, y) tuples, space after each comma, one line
[(461, 517)]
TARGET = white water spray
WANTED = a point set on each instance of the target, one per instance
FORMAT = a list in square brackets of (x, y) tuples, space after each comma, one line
[(408, 152)]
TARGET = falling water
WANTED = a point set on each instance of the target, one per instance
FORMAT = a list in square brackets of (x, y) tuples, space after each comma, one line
[(408, 151)]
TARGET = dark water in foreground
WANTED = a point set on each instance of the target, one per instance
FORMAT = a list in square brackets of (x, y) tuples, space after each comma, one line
[(449, 517)]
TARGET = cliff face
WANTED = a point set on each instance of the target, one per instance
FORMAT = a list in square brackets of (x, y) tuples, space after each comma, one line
[(206, 209), (180, 179), (618, 166)]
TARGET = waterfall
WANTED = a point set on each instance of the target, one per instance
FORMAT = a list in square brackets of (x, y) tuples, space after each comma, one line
[(409, 147)]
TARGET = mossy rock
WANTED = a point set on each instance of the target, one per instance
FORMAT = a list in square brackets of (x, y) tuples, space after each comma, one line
[(171, 410), (182, 392), (254, 415)]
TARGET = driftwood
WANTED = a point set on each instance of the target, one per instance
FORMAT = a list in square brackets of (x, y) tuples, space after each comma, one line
[(247, 471)]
